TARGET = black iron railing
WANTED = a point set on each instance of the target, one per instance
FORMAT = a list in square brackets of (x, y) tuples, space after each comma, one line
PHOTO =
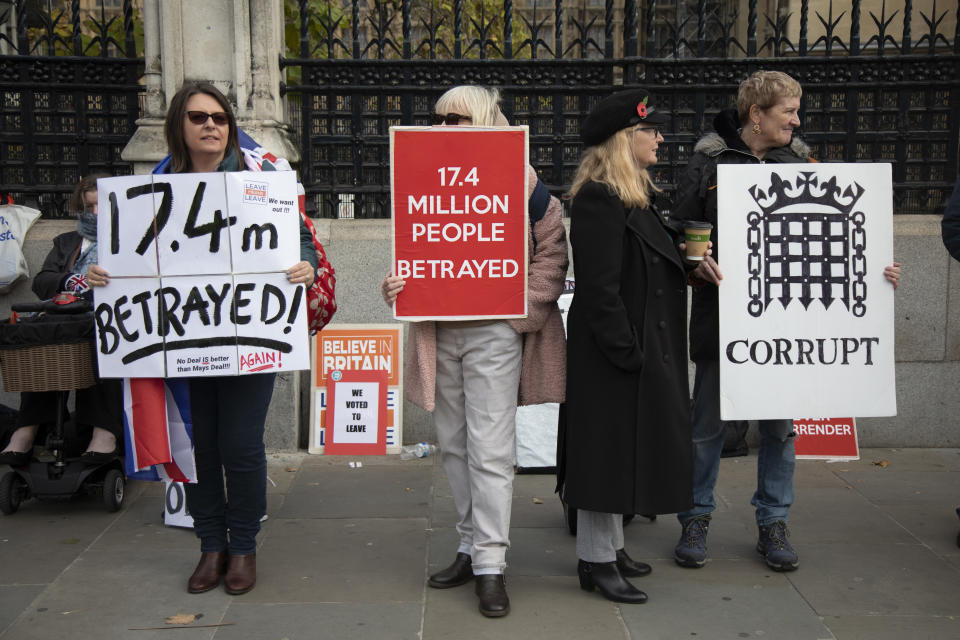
[(880, 84), (69, 96)]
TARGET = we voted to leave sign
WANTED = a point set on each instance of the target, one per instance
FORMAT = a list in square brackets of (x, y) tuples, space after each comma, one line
[(356, 412), (198, 284), (459, 204)]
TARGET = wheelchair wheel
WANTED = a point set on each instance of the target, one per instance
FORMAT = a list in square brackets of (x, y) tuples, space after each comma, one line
[(12, 488), (113, 489)]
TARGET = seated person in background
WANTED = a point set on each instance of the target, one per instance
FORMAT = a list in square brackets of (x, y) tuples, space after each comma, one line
[(99, 406)]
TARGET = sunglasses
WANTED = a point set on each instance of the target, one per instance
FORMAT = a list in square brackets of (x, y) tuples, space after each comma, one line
[(654, 130), (451, 119), (200, 117)]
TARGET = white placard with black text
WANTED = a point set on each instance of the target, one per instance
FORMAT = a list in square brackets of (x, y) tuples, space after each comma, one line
[(806, 315)]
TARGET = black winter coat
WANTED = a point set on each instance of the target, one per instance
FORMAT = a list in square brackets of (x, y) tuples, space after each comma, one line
[(624, 433), (57, 266), (697, 200)]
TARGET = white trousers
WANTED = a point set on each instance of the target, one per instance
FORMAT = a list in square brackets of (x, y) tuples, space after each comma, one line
[(478, 375)]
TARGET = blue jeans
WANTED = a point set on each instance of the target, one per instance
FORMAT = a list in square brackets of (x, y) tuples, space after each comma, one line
[(775, 462), (228, 419)]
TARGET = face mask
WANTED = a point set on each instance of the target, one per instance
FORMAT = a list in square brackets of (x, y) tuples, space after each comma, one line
[(87, 225)]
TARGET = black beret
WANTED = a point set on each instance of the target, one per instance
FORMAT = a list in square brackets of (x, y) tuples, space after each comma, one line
[(619, 111)]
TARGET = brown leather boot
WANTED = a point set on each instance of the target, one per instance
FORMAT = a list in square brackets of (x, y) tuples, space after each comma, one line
[(241, 574), (207, 574)]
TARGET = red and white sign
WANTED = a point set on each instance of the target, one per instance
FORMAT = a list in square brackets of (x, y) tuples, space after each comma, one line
[(357, 347), (826, 439), (459, 198), (357, 413)]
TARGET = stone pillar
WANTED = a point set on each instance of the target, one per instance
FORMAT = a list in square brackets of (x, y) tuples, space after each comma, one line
[(236, 46), (233, 44)]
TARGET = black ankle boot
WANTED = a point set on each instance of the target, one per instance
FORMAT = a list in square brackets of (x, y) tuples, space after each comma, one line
[(630, 568), (492, 591), (458, 573), (606, 577)]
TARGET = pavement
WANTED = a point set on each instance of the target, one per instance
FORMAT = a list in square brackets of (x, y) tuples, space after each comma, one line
[(346, 552)]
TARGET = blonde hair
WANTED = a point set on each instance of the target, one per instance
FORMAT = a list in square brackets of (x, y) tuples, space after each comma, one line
[(612, 163), (482, 104), (765, 89)]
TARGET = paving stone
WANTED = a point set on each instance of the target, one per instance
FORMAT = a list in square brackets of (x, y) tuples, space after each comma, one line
[(726, 599), (885, 487), (341, 560), (893, 627), (841, 515), (930, 524), (41, 539), (443, 512), (859, 578), (114, 587), (878, 560), (322, 621), (541, 551), (535, 485), (528, 511), (910, 459), (321, 491), (14, 600), (142, 523), (540, 609)]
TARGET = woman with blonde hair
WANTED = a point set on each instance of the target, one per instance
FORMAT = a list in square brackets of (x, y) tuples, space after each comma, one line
[(473, 374), (624, 433)]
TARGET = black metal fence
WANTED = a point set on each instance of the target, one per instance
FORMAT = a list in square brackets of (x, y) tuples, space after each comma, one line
[(69, 95), (880, 84)]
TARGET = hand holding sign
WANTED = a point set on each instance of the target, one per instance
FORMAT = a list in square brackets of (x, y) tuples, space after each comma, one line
[(200, 284), (459, 222)]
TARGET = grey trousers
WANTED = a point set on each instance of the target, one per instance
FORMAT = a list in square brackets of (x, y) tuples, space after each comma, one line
[(478, 374), (599, 535)]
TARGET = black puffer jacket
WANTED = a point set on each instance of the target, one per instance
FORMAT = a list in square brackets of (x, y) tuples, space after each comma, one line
[(697, 200)]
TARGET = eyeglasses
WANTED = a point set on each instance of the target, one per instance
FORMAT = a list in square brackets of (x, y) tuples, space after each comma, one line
[(654, 130), (200, 117), (451, 119)]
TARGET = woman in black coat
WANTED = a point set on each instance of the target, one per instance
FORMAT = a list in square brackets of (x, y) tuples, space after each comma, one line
[(99, 408), (624, 437)]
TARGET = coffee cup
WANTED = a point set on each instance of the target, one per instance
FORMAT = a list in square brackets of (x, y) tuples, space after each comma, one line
[(696, 235)]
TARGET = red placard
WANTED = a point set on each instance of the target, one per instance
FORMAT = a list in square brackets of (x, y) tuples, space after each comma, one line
[(459, 198), (826, 438), (354, 400)]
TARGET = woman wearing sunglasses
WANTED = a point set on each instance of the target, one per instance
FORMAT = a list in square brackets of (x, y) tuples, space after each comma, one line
[(624, 433), (228, 412), (471, 375)]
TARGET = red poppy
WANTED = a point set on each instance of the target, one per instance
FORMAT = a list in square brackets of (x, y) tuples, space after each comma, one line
[(642, 109)]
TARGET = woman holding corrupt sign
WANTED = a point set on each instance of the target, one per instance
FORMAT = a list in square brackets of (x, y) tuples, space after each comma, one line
[(624, 433), (760, 129), (473, 374), (228, 413)]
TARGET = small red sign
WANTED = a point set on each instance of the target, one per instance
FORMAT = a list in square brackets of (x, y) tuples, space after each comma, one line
[(460, 221), (826, 438)]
